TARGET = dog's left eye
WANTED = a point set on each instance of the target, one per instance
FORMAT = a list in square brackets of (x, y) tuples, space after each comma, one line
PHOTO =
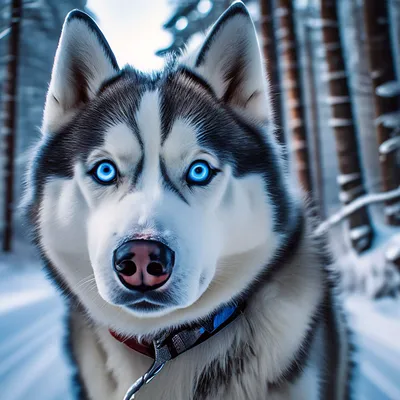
[(199, 173), (105, 172)]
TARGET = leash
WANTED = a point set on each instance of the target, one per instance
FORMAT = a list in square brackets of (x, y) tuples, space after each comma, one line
[(171, 345)]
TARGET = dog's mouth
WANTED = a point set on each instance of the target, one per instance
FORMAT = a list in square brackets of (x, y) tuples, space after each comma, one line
[(146, 307), (146, 302)]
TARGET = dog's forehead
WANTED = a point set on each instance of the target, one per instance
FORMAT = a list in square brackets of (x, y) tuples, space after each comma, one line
[(163, 114)]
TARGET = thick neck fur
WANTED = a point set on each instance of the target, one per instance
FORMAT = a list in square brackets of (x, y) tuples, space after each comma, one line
[(244, 361)]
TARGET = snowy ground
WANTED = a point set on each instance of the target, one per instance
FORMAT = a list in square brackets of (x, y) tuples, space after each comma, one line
[(33, 366)]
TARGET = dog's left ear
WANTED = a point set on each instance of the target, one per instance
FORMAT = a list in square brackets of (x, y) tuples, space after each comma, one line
[(230, 60), (82, 63)]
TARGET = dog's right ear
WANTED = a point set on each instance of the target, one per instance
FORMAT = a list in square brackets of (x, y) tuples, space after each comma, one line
[(82, 63)]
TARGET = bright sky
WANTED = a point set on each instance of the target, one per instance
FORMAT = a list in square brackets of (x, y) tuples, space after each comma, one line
[(134, 29)]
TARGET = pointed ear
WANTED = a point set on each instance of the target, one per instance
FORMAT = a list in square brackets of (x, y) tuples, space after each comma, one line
[(82, 63), (230, 60)]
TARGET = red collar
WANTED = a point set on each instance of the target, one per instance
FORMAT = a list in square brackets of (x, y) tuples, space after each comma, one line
[(143, 348)]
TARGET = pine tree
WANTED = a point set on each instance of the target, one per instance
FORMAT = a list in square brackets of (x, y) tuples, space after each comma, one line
[(10, 117), (342, 122), (293, 88), (386, 101), (314, 127), (269, 43), (190, 18)]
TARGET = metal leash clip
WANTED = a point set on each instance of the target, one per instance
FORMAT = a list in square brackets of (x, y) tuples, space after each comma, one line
[(162, 355)]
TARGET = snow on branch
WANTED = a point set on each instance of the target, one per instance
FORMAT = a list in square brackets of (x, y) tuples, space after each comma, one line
[(5, 33), (330, 76), (359, 232), (393, 253), (340, 122), (351, 208), (389, 120), (338, 100), (392, 209), (343, 179), (388, 89), (392, 144)]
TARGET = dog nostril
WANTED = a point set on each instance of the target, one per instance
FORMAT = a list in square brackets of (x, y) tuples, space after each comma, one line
[(126, 267), (155, 269)]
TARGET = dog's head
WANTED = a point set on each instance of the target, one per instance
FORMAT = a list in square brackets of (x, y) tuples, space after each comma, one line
[(157, 198)]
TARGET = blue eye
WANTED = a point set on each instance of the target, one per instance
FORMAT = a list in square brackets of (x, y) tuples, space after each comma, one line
[(105, 172), (199, 173)]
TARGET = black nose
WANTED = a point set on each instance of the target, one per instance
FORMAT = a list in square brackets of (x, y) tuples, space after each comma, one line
[(143, 264)]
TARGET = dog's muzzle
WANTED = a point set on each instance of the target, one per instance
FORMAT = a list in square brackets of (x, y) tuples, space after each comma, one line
[(143, 265)]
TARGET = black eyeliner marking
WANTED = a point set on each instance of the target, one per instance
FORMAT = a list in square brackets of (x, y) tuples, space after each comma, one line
[(169, 183), (138, 171)]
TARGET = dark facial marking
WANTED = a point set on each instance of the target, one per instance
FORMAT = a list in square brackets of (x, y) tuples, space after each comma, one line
[(172, 90), (169, 184), (138, 171)]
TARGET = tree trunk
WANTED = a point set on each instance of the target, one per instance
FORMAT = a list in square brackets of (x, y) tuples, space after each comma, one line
[(9, 131), (314, 124), (292, 86), (342, 122), (271, 62), (381, 62)]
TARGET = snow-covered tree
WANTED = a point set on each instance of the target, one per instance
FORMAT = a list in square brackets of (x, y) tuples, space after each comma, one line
[(269, 45), (10, 117), (343, 124), (40, 28), (386, 95), (292, 85)]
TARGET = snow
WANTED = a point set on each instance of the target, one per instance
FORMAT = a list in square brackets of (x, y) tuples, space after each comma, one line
[(343, 179), (393, 252), (33, 364), (5, 33), (354, 206), (359, 232), (330, 76), (390, 145), (376, 326), (388, 89), (340, 122), (392, 209), (338, 100), (389, 120)]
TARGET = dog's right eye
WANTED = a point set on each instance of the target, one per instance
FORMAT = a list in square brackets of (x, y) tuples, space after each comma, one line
[(200, 173), (105, 172)]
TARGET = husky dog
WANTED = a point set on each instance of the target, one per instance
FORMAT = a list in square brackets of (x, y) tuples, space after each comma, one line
[(159, 199)]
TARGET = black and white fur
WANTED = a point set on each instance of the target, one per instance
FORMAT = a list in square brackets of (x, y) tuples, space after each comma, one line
[(245, 236)]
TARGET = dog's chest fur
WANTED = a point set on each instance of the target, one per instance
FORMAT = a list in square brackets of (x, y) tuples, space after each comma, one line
[(250, 359)]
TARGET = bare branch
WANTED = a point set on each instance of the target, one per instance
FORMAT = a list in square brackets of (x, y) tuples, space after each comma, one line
[(351, 208)]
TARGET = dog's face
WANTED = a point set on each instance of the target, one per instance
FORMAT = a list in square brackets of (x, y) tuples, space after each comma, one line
[(157, 198)]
